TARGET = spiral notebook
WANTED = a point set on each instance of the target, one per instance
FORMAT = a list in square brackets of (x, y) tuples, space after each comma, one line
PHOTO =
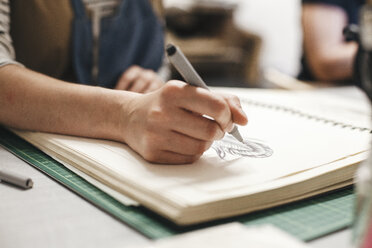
[(297, 144)]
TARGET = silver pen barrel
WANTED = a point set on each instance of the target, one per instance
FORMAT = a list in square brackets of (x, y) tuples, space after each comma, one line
[(184, 67), (16, 179)]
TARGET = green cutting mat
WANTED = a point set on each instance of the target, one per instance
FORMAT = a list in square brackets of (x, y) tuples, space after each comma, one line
[(307, 219)]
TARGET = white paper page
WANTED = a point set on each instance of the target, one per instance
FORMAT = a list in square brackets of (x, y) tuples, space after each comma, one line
[(354, 110), (233, 235)]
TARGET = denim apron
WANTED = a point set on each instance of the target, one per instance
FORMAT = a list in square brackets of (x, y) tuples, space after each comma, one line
[(132, 36)]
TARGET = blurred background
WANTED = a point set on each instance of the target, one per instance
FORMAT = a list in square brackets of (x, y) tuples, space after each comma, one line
[(244, 43)]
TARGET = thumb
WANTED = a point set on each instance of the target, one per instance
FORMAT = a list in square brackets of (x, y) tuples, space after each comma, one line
[(237, 113)]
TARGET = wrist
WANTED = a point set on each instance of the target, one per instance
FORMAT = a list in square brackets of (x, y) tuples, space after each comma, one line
[(119, 111)]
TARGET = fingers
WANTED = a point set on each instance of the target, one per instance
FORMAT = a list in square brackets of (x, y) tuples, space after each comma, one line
[(143, 81), (185, 145), (156, 84), (147, 81), (172, 147), (196, 126), (200, 101), (139, 85), (167, 157), (128, 77), (178, 122), (182, 144), (139, 80), (238, 115)]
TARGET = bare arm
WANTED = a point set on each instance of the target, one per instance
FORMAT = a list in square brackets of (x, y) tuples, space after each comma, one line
[(33, 101), (329, 57), (164, 126)]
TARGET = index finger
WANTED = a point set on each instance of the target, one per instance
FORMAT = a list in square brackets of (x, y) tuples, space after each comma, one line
[(127, 78), (200, 101)]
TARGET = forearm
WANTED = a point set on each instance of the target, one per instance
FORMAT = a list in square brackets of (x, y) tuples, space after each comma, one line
[(161, 125), (334, 64), (329, 57), (33, 101)]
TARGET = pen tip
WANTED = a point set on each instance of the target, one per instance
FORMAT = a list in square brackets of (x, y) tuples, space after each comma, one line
[(171, 49), (235, 132), (239, 138)]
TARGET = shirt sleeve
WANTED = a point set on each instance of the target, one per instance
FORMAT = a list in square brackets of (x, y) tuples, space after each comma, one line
[(7, 54)]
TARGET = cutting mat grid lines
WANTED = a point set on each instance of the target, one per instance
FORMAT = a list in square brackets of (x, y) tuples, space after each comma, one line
[(307, 219)]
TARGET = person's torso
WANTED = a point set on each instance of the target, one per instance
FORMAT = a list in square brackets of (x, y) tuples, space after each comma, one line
[(42, 32)]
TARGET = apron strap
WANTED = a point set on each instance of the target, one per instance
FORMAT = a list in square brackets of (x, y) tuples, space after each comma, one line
[(78, 7), (132, 36)]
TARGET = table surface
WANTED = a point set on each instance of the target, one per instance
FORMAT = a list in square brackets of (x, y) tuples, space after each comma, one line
[(50, 215)]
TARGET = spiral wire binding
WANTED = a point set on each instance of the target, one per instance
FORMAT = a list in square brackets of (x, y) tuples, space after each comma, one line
[(293, 111)]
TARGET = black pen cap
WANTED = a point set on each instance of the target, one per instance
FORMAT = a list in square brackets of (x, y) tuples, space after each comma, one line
[(171, 49)]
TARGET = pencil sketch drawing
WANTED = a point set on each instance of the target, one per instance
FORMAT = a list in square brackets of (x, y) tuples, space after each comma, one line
[(229, 146)]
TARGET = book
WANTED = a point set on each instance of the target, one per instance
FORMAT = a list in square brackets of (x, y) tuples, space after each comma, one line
[(297, 144)]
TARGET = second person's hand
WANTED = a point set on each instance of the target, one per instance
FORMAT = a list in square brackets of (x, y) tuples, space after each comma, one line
[(138, 79)]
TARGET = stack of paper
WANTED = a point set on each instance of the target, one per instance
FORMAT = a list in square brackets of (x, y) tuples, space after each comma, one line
[(291, 151)]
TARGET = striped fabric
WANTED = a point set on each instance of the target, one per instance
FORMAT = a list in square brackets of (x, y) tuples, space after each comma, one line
[(7, 54)]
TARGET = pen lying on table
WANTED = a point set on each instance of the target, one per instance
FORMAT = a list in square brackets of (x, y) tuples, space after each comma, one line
[(184, 67), (16, 179)]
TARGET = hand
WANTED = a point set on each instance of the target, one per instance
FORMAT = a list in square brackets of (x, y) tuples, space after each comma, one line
[(138, 79), (167, 125)]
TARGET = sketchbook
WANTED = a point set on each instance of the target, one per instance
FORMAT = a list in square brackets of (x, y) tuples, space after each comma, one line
[(297, 144)]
